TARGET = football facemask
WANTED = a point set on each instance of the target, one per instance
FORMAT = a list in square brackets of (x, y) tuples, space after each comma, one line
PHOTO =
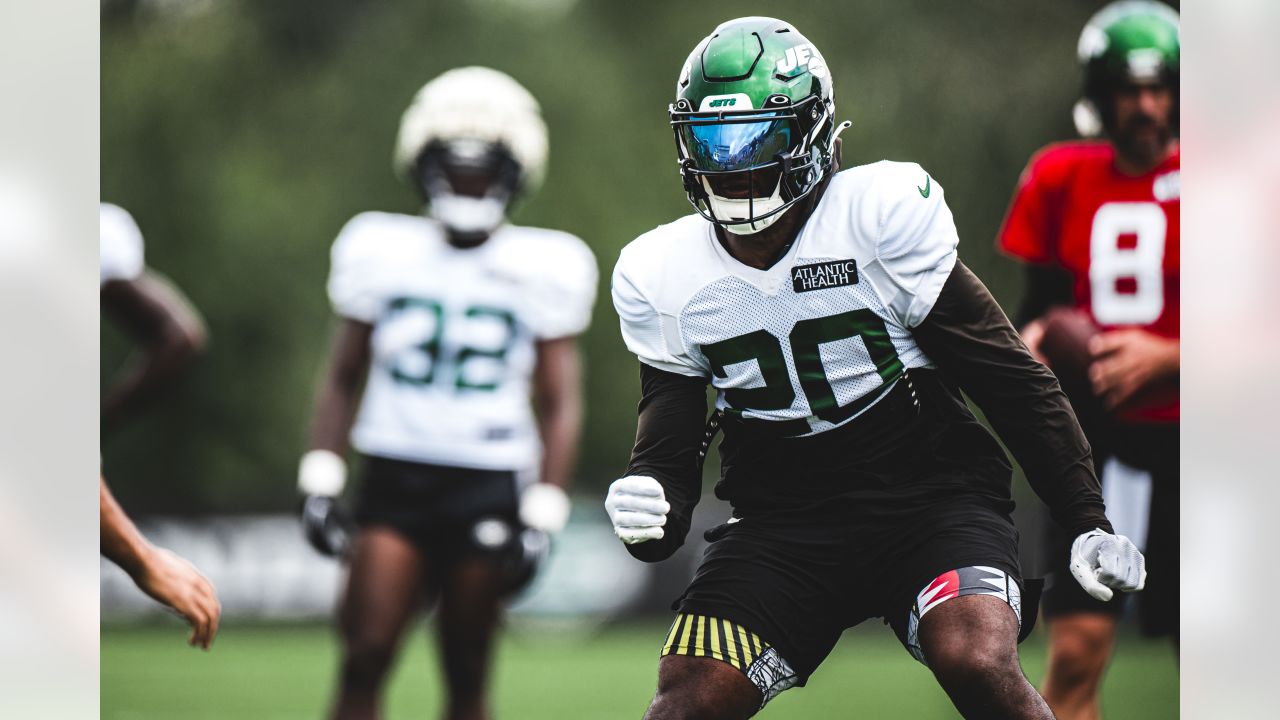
[(738, 165), (744, 169), (468, 184)]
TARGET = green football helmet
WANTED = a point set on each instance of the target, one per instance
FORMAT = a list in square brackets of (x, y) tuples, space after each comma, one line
[(1126, 41), (753, 123)]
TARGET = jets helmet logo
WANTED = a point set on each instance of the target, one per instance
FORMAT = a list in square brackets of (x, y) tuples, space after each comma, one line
[(736, 101), (801, 57)]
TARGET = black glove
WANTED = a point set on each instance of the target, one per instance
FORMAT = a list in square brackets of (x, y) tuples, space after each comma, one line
[(529, 553), (326, 525)]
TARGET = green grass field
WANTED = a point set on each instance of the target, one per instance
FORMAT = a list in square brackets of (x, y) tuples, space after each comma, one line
[(285, 672)]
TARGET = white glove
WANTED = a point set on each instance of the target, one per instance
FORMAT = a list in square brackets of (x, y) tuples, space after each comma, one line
[(638, 508), (1102, 562), (544, 507)]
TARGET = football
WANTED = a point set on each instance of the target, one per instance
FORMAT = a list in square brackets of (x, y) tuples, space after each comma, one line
[(1065, 347)]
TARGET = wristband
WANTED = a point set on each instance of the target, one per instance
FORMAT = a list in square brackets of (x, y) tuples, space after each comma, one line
[(544, 507), (322, 472)]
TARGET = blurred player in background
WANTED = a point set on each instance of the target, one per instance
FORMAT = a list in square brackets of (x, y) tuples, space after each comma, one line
[(156, 315), (450, 322), (831, 313), (170, 334), (1097, 224)]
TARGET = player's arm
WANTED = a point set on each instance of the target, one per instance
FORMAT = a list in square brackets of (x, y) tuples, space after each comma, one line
[(168, 331), (970, 339), (322, 473), (338, 394), (159, 573), (652, 506), (557, 396)]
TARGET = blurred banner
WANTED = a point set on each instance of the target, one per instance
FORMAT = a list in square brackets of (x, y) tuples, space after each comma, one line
[(265, 570)]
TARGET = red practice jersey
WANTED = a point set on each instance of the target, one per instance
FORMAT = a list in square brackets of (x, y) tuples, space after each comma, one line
[(1116, 234)]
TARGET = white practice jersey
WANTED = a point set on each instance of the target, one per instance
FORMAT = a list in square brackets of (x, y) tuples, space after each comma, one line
[(119, 245), (454, 332), (823, 334)]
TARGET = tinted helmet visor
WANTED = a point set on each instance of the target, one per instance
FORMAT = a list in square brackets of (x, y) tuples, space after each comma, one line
[(732, 146)]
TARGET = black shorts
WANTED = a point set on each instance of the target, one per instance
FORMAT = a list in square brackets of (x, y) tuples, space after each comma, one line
[(798, 587), (1153, 448), (439, 508)]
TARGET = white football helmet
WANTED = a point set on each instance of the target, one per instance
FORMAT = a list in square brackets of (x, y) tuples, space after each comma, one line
[(469, 106)]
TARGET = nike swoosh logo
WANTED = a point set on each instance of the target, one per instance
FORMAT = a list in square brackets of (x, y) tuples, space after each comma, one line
[(924, 191)]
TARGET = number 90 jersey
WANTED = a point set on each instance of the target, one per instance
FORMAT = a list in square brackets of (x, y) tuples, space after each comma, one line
[(454, 332), (821, 335)]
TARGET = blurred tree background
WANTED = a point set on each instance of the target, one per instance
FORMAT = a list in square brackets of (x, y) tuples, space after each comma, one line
[(243, 134)]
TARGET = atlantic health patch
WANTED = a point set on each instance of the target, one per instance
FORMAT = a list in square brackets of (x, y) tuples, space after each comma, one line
[(823, 275)]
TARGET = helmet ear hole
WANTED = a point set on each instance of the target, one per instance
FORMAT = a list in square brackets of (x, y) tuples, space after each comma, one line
[(777, 99)]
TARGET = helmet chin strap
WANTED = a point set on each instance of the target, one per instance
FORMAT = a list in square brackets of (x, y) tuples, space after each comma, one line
[(468, 215), (740, 209)]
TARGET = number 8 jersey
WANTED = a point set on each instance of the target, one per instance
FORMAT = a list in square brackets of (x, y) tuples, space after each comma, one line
[(454, 334), (1117, 236), (825, 332)]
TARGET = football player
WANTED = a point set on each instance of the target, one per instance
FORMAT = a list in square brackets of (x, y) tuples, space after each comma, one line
[(449, 322), (832, 315), (1096, 221), (155, 314), (170, 332)]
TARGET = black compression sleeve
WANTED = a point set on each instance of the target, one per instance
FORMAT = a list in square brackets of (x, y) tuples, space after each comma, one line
[(1046, 286), (669, 435), (969, 338)]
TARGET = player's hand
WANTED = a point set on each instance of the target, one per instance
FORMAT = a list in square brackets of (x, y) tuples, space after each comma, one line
[(326, 525), (173, 581), (1102, 562), (1032, 333), (1129, 361), (544, 507), (638, 508)]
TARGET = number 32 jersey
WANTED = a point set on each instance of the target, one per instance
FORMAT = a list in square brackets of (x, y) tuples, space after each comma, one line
[(453, 344), (825, 332), (1117, 235)]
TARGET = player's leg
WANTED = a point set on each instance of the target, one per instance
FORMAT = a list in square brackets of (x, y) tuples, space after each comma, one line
[(956, 603), (971, 645), (470, 611), (702, 688), (478, 532), (1080, 645), (385, 586), (762, 612)]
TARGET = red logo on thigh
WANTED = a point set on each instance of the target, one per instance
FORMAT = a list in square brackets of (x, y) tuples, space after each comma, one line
[(943, 588)]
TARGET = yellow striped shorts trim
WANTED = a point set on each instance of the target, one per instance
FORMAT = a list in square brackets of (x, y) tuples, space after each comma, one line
[(704, 636)]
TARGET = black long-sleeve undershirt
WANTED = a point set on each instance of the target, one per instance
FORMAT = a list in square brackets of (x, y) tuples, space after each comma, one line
[(669, 436), (968, 336)]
